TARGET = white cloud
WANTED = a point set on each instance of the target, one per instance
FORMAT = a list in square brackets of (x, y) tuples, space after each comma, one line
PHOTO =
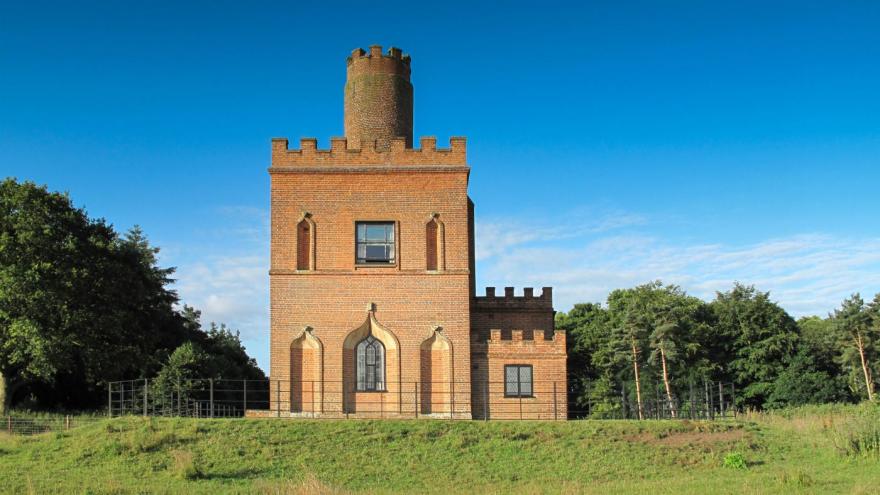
[(225, 275), (806, 274), (494, 238)]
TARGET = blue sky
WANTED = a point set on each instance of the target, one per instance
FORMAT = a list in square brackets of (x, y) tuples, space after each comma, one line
[(611, 143)]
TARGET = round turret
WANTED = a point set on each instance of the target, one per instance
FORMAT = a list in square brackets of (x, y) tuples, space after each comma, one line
[(378, 97)]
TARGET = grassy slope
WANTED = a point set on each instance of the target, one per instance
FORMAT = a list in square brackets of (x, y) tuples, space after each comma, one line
[(134, 455)]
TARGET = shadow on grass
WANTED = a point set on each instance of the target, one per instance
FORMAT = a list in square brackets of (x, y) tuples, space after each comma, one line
[(237, 474)]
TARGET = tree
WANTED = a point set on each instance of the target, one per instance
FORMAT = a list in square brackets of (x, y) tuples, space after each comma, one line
[(51, 255), (805, 381), (857, 331), (632, 325), (590, 368), (633, 331), (664, 347), (80, 304), (762, 339), (226, 357)]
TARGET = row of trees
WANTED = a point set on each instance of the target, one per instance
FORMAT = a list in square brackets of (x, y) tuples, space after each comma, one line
[(657, 336), (81, 304)]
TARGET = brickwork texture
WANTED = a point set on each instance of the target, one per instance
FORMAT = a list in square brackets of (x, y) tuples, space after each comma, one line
[(445, 348)]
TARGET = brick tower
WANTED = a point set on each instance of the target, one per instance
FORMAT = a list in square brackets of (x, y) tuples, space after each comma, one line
[(372, 300), (378, 97)]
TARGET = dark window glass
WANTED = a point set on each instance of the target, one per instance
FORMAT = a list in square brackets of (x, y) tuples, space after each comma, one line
[(374, 242), (370, 365), (518, 380)]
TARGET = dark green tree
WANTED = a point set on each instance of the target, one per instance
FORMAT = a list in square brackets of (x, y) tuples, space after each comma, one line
[(590, 369), (858, 335), (760, 341), (80, 305), (805, 381), (58, 291)]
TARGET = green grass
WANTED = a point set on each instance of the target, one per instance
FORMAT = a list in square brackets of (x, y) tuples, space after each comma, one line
[(801, 451)]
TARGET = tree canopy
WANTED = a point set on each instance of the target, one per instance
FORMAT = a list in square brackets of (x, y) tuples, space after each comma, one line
[(81, 304), (741, 338)]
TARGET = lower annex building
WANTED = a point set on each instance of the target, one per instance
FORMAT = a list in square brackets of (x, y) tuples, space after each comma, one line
[(374, 310)]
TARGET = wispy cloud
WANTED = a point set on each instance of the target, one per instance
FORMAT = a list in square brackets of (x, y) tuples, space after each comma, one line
[(225, 275), (807, 274), (498, 237)]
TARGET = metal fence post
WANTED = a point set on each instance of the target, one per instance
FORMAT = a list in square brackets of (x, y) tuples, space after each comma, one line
[(451, 398), (109, 399), (211, 396), (9, 424), (555, 412), (721, 399), (733, 397), (706, 397), (179, 398), (278, 398), (416, 401), (244, 399), (146, 393), (486, 400)]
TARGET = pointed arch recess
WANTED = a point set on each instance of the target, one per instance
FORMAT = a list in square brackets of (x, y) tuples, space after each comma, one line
[(435, 237), (306, 373), (436, 373), (372, 403), (305, 242)]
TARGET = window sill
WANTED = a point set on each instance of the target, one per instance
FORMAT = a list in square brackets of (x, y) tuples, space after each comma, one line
[(358, 266), (519, 396), (371, 391)]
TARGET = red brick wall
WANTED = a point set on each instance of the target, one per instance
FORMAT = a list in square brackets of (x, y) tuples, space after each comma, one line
[(333, 299), (518, 330)]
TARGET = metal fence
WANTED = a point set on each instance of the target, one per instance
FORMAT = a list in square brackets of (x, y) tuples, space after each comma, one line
[(27, 425), (701, 400), (543, 400)]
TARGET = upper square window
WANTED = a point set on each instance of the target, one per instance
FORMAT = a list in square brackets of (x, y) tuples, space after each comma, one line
[(374, 243)]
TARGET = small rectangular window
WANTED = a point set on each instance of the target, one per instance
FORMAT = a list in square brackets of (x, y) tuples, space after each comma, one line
[(374, 243), (518, 380)]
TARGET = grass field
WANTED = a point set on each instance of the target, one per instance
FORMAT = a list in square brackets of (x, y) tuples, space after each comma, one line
[(832, 449)]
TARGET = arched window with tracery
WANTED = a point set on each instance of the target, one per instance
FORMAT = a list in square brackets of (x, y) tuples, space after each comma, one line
[(370, 365)]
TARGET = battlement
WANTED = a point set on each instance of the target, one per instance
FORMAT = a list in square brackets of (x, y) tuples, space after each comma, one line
[(509, 301), (340, 153), (376, 52), (374, 61), (555, 338), (509, 340)]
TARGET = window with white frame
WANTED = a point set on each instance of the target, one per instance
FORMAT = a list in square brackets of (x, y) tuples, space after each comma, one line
[(374, 243)]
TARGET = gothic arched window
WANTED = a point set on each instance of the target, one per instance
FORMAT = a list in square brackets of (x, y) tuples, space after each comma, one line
[(370, 365)]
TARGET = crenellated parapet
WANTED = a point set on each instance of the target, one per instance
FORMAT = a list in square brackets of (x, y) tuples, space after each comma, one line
[(343, 153), (520, 341), (492, 301), (550, 338), (374, 61)]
